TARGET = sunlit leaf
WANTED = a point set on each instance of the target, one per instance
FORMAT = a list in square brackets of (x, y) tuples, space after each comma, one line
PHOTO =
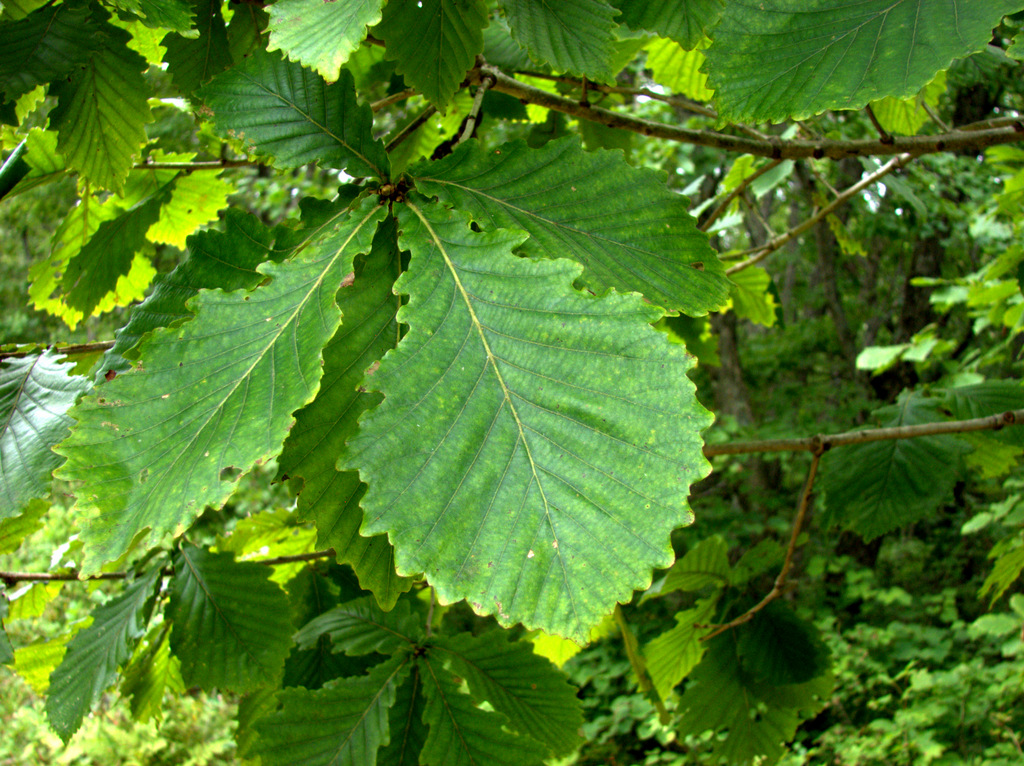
[(321, 35)]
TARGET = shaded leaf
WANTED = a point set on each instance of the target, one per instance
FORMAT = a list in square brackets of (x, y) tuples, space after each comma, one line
[(779, 648), (434, 42), (343, 724), (752, 297), (231, 628), (462, 734), (526, 688), (1009, 563), (331, 497), (876, 487), (759, 719), (321, 35), (94, 655), (291, 114), (6, 650), (673, 654), (35, 394), (408, 732), (686, 22), (193, 61), (620, 222), (529, 493), (798, 59), (102, 112), (44, 46), (151, 674), (160, 14), (360, 627), (574, 36), (705, 565), (210, 397)]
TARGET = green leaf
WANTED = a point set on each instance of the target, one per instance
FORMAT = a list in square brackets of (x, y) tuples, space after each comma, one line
[(408, 732), (686, 23), (225, 259), (907, 116), (343, 724), (779, 648), (15, 529), (1009, 563), (210, 397), (36, 662), (526, 688), (752, 297), (678, 69), (620, 222), (673, 654), (757, 717), (95, 653), (993, 397), (102, 112), (434, 42), (6, 650), (876, 487), (196, 199), (35, 394), (321, 35), (574, 36), (291, 114), (45, 46), (516, 458), (799, 58), (462, 734), (231, 627), (159, 14), (705, 565), (94, 271), (360, 627), (192, 61), (756, 560), (331, 497), (151, 674)]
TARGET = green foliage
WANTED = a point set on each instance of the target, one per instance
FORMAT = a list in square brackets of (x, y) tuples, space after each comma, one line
[(438, 388)]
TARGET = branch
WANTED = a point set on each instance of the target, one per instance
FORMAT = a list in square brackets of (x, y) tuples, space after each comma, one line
[(474, 111), (824, 442), (73, 349), (11, 578), (774, 148), (188, 167), (787, 564), (762, 252), (636, 660)]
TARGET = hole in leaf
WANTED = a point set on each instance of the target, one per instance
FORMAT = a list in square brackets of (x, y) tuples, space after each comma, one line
[(230, 473)]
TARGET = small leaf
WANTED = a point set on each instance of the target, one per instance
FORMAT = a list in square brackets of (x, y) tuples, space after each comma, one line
[(526, 688), (192, 61), (160, 14), (780, 648), (360, 627), (231, 627), (15, 529), (321, 35), (705, 565), (541, 497), (574, 36), (209, 397), (195, 201), (686, 23), (678, 69), (752, 297), (906, 116), (36, 393), (620, 222), (343, 724), (151, 674), (462, 734), (434, 42), (291, 114), (102, 112), (876, 487), (673, 654), (6, 650), (95, 653)]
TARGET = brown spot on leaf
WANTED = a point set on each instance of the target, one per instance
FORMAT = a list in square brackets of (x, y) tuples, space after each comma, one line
[(373, 368), (349, 279)]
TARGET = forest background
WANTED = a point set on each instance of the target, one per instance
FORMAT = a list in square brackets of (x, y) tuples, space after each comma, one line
[(862, 188)]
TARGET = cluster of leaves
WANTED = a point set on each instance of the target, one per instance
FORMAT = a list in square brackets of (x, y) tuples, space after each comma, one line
[(453, 361)]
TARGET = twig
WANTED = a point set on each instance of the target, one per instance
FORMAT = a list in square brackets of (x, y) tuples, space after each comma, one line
[(474, 111), (188, 167), (394, 98), (430, 612), (884, 136), (762, 252), (636, 660), (825, 442), (11, 578), (772, 147), (74, 349), (787, 564), (935, 116), (409, 129), (717, 212)]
